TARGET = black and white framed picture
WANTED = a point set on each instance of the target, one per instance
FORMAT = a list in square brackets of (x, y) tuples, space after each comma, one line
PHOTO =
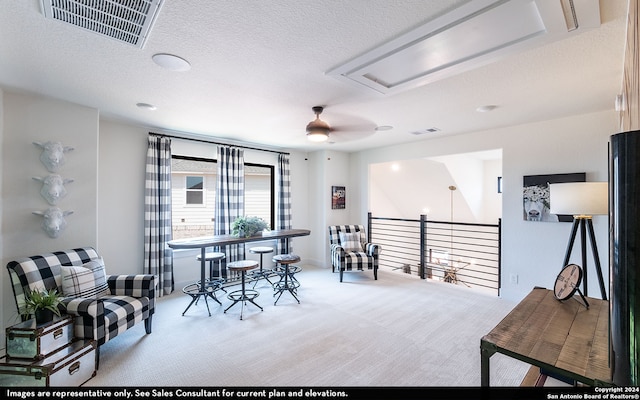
[(338, 197), (535, 196)]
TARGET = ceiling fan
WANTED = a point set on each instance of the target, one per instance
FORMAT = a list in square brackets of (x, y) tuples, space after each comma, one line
[(319, 130)]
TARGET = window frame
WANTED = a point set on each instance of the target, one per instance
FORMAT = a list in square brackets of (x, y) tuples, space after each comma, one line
[(187, 190), (272, 183)]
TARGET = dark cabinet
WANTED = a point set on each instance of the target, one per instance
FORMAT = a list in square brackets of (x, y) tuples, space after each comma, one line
[(624, 253)]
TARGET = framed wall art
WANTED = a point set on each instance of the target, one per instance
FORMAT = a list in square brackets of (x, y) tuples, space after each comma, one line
[(535, 196), (338, 197)]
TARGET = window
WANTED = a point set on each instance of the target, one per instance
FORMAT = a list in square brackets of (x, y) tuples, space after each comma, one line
[(193, 197), (195, 189)]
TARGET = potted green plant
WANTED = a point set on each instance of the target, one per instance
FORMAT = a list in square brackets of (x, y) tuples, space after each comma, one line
[(43, 304), (248, 226)]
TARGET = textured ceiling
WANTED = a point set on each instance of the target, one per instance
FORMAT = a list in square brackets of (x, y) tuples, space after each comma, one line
[(259, 66)]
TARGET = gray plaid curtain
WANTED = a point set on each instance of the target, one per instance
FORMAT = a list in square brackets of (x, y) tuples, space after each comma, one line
[(229, 196), (284, 201), (158, 257)]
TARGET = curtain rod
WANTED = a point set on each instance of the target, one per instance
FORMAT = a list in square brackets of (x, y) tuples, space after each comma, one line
[(217, 143)]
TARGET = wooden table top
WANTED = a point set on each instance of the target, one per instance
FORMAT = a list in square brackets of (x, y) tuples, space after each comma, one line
[(223, 240), (561, 336)]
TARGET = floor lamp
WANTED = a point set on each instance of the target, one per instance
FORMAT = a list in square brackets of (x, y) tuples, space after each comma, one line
[(583, 200)]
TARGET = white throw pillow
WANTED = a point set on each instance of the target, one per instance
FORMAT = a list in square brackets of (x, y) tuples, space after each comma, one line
[(88, 281), (350, 241)]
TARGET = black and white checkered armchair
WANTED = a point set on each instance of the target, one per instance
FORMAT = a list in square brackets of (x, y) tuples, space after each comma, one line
[(103, 305), (350, 250)]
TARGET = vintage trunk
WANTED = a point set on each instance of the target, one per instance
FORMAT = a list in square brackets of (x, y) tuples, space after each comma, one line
[(28, 340), (72, 365)]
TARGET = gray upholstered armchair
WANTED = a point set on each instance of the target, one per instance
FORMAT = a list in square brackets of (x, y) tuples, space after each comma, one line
[(351, 251), (103, 305)]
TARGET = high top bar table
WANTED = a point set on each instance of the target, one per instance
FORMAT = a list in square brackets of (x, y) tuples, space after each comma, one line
[(223, 240)]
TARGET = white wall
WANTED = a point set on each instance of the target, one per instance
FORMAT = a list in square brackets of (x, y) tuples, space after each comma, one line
[(300, 204), (120, 212), (532, 252), (475, 198), (492, 200), (468, 177), (409, 188), (327, 169), (30, 119)]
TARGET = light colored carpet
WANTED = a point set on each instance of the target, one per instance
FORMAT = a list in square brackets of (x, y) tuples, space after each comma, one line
[(396, 331)]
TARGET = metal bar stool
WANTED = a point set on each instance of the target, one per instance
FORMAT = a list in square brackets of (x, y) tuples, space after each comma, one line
[(286, 271), (215, 278), (195, 291), (211, 284), (261, 273), (243, 295)]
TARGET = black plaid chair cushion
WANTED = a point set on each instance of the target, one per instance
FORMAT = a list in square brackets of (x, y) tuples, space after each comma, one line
[(342, 260), (130, 298)]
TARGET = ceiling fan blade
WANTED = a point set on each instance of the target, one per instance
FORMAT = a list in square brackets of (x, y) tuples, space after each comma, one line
[(340, 135), (363, 127)]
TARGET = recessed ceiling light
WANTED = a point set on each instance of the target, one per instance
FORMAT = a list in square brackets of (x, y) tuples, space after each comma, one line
[(384, 128), (486, 108), (146, 106), (171, 62)]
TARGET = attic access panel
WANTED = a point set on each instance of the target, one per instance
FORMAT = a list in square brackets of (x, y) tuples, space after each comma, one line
[(471, 36), (128, 21)]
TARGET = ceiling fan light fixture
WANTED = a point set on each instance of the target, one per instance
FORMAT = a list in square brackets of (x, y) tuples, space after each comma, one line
[(318, 130), (318, 135)]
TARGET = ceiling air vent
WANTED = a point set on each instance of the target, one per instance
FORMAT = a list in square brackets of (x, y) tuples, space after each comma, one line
[(424, 131), (127, 21)]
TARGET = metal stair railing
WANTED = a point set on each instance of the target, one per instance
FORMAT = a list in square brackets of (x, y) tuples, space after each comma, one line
[(454, 252)]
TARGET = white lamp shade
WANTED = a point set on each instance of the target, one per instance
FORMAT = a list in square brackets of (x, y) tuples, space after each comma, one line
[(579, 198)]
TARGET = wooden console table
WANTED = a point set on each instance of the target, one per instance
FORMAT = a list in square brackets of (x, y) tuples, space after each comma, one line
[(563, 338)]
